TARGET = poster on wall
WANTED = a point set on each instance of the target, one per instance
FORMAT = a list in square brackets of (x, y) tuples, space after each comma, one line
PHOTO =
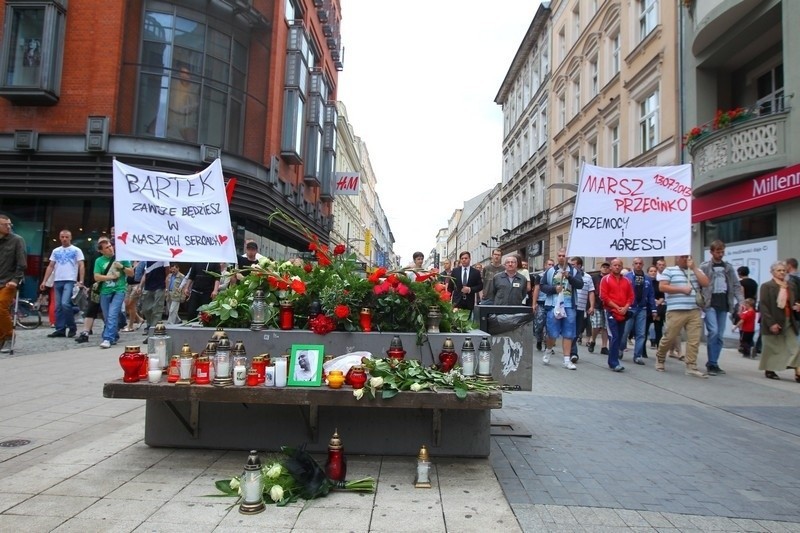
[(636, 211), (758, 257), (166, 217)]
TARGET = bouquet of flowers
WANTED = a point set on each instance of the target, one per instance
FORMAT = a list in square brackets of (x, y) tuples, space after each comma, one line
[(291, 475), (390, 376)]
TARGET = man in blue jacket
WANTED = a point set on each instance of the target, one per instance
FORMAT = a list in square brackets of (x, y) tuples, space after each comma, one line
[(644, 302)]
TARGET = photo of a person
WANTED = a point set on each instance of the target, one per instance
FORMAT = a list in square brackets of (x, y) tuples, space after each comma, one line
[(306, 365)]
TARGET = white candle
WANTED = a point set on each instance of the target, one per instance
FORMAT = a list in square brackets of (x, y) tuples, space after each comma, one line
[(269, 376), (483, 366), (154, 363), (161, 353), (223, 369), (239, 375), (423, 472), (186, 368), (280, 372), (468, 368), (154, 376)]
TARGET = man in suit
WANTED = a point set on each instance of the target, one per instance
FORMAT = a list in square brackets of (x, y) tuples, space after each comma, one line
[(468, 284)]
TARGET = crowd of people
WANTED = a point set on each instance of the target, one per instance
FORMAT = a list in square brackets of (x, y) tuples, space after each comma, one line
[(659, 305)]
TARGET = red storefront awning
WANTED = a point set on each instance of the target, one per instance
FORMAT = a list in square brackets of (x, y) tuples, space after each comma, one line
[(778, 186)]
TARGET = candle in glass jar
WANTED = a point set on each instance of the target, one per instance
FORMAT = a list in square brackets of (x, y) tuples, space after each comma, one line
[(239, 375), (223, 368), (468, 367), (483, 366), (280, 372), (269, 376)]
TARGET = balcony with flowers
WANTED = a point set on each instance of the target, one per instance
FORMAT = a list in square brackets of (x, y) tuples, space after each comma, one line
[(739, 142)]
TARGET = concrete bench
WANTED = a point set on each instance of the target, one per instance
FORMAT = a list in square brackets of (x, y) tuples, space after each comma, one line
[(205, 416)]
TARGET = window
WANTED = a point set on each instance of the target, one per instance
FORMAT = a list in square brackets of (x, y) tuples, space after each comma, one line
[(648, 17), (540, 186), (534, 136), (32, 54), (592, 152), (614, 49), (576, 167), (770, 91), (562, 111), (594, 82), (613, 138), (576, 21), (562, 45), (648, 121), (543, 122), (576, 93), (192, 80)]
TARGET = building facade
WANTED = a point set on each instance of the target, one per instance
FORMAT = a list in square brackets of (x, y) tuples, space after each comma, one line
[(738, 95), (169, 86)]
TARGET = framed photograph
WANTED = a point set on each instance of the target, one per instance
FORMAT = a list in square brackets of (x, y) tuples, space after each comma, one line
[(306, 365)]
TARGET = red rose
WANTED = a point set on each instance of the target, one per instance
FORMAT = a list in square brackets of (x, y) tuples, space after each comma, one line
[(308, 268), (298, 286), (341, 311), (393, 280), (322, 324), (403, 290), (381, 288), (339, 250), (445, 296), (312, 246)]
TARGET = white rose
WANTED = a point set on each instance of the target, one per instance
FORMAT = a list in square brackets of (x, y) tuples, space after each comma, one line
[(358, 393), (416, 387), (235, 485), (276, 493), (376, 382), (274, 471)]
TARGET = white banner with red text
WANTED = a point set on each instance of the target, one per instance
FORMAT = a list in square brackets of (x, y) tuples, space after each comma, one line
[(636, 211), (167, 217)]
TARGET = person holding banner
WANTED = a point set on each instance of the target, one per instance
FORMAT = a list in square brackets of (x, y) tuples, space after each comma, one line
[(681, 284), (618, 297), (644, 304), (560, 283)]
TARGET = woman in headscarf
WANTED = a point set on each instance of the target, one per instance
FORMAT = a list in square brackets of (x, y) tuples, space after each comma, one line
[(778, 299)]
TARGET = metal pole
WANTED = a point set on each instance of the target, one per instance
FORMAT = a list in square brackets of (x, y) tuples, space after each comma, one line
[(347, 239)]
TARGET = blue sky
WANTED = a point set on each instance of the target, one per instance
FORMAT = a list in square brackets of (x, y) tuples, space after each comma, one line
[(419, 82)]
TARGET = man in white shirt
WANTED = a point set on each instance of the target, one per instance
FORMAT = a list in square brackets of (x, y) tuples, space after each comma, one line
[(67, 263)]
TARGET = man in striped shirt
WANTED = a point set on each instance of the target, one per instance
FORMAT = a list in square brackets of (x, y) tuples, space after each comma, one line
[(680, 284), (582, 311)]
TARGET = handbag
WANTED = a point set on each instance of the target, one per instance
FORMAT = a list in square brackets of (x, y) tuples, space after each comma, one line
[(94, 294), (699, 299), (560, 311)]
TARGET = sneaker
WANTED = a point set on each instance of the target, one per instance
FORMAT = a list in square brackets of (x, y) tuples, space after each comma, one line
[(603, 351), (105, 344), (590, 347), (539, 345), (696, 373), (547, 354), (83, 337), (5, 346), (72, 333), (638, 361), (711, 371), (718, 370), (569, 365), (57, 333), (618, 368), (573, 358)]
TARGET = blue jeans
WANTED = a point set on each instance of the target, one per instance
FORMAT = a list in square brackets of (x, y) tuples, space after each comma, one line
[(715, 326), (636, 323), (616, 336), (111, 304), (65, 317)]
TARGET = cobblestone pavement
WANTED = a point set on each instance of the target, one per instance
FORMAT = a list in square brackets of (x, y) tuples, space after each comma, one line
[(652, 450), (637, 451)]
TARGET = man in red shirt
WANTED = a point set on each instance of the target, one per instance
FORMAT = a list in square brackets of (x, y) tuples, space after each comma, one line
[(616, 292)]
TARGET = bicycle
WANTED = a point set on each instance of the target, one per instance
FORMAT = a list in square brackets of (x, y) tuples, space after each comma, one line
[(26, 314)]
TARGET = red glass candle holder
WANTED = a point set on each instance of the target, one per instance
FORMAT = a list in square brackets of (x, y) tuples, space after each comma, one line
[(358, 377), (131, 362), (286, 316), (365, 319), (203, 369)]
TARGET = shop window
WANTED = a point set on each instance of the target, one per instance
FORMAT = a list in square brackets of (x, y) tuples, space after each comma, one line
[(32, 54), (192, 80), (742, 227)]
